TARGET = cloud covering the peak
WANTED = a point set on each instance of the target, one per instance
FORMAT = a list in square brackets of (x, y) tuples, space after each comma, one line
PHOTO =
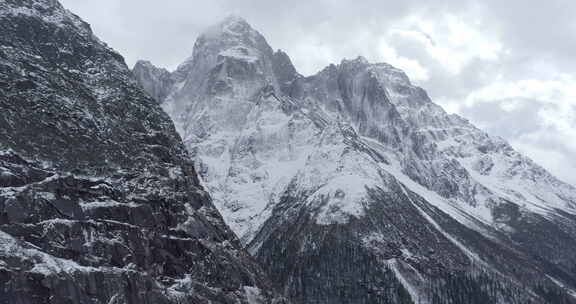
[(508, 66)]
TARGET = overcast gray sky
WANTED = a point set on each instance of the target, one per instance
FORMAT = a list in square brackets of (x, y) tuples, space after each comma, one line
[(508, 66)]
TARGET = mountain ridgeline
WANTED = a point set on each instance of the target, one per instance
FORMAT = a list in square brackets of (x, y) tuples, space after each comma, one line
[(352, 186), (99, 200)]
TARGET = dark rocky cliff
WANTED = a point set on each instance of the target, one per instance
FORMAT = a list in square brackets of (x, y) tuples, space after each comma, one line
[(99, 201)]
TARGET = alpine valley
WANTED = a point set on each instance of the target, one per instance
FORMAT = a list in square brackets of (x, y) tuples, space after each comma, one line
[(352, 186)]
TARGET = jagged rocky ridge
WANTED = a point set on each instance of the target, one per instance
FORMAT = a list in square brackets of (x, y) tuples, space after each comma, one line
[(352, 186), (99, 200)]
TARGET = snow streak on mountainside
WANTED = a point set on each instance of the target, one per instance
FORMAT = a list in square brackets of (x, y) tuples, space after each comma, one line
[(99, 201), (352, 186)]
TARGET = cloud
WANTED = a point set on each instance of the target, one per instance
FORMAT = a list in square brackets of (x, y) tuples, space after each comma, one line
[(508, 66), (536, 116)]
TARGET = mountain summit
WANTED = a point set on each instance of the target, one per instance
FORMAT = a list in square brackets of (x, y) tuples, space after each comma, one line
[(352, 186)]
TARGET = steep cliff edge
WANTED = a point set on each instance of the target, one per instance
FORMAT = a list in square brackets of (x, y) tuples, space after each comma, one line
[(99, 201)]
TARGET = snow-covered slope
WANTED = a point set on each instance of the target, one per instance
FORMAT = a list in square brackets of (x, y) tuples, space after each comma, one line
[(352, 186), (99, 200)]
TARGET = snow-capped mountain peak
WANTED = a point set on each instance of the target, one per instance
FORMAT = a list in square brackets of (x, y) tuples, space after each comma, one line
[(233, 25), (358, 157)]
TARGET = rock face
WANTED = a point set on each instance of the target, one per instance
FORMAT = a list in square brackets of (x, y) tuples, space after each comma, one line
[(154, 80), (352, 186), (99, 201)]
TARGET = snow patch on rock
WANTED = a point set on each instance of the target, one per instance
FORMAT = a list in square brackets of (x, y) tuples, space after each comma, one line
[(341, 198)]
